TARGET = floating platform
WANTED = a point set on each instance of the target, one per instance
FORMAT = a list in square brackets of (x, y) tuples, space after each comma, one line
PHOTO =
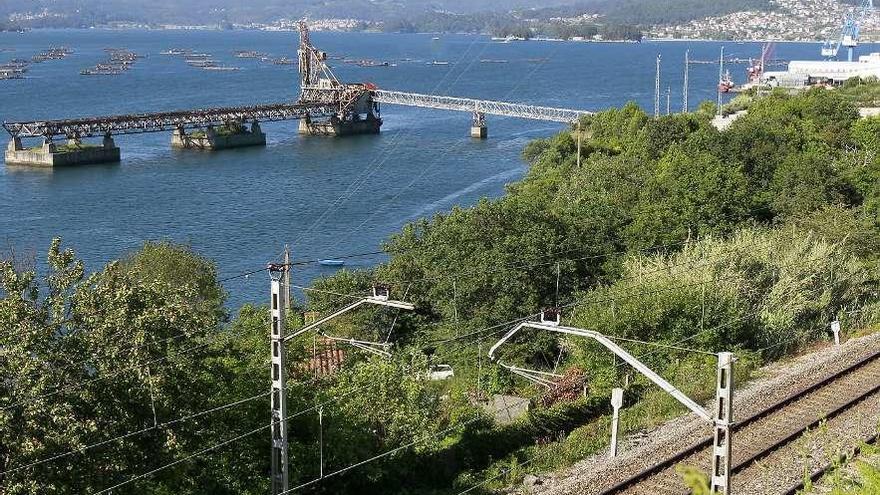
[(50, 155), (336, 127), (212, 140)]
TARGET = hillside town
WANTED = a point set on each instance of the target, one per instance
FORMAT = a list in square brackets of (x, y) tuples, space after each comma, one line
[(790, 20), (786, 20)]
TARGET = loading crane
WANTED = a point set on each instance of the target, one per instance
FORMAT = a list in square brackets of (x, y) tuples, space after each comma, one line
[(849, 33)]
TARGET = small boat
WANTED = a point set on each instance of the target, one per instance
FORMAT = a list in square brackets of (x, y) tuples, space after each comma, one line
[(436, 62), (726, 84), (332, 263), (435, 38)]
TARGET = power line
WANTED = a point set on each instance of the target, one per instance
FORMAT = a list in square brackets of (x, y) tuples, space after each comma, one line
[(402, 447), (310, 409), (249, 433), (381, 160), (158, 426), (66, 388), (434, 163)]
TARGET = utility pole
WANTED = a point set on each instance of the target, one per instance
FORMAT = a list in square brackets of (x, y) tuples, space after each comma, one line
[(720, 78), (287, 277), (580, 137), (616, 404), (657, 90), (278, 426), (720, 475), (668, 100), (687, 72)]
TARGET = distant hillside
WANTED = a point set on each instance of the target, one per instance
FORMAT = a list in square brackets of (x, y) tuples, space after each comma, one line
[(651, 12), (88, 12)]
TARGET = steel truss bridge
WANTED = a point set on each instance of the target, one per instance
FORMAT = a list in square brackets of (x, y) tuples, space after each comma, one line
[(201, 118), (484, 107), (322, 97), (165, 121)]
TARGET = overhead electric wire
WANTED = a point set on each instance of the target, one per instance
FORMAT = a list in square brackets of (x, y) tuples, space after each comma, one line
[(249, 433), (130, 434), (315, 407), (374, 166), (69, 387), (406, 446), (434, 162)]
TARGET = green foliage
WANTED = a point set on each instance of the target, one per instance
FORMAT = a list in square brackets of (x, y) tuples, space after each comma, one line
[(695, 479), (668, 231), (86, 359)]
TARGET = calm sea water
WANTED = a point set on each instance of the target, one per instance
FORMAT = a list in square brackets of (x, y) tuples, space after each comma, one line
[(324, 197)]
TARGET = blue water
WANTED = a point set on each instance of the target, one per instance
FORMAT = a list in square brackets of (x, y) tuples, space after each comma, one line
[(324, 197)]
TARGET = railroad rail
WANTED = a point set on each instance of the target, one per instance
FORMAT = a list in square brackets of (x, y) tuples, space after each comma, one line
[(485, 107), (166, 121), (769, 433)]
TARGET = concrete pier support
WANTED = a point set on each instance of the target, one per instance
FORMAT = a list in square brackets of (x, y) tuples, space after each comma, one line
[(479, 132), (337, 128), (479, 129), (49, 154), (230, 136)]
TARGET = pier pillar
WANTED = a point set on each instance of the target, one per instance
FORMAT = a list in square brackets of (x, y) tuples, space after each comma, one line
[(48, 155), (479, 129), (232, 135)]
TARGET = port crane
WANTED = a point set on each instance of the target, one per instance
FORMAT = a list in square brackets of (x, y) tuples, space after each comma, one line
[(849, 33)]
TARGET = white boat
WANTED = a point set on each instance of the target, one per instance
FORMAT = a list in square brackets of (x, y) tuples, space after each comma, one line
[(331, 263)]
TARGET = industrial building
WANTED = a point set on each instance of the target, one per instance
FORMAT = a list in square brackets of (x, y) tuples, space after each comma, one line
[(807, 72)]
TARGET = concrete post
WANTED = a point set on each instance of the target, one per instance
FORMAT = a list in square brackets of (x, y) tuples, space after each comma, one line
[(255, 128), (279, 460), (178, 138), (616, 403), (15, 144), (835, 328), (48, 146), (108, 142), (720, 475), (479, 129)]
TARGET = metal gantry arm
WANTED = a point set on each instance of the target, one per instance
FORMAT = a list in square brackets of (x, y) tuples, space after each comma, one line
[(721, 418), (377, 300), (377, 348), (616, 349)]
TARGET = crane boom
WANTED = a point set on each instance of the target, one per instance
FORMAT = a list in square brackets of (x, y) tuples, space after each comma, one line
[(849, 33)]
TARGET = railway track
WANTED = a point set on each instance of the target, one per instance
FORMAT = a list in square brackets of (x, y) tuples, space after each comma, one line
[(770, 451)]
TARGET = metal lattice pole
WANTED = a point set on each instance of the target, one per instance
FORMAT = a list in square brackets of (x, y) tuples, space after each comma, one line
[(720, 476), (287, 277), (657, 91), (279, 461), (720, 78)]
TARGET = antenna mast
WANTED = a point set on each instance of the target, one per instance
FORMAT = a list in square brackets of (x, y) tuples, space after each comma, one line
[(657, 90), (720, 78)]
